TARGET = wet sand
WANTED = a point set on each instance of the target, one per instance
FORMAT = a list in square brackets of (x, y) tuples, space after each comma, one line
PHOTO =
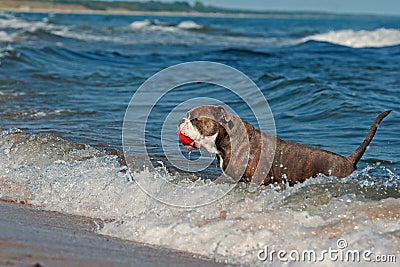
[(33, 237)]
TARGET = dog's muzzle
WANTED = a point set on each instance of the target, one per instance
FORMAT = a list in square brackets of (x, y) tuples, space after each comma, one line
[(187, 142)]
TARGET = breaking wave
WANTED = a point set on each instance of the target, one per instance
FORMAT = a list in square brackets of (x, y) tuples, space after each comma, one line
[(157, 25), (359, 39), (14, 29)]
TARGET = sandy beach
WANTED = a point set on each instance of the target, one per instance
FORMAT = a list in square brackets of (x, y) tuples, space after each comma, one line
[(33, 237)]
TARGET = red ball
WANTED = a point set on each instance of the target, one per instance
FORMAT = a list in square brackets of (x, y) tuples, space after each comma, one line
[(184, 139)]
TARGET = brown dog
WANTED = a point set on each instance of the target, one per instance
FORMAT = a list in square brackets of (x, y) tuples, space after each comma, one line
[(247, 154)]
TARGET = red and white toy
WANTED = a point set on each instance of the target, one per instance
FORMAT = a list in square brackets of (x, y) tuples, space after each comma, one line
[(186, 141)]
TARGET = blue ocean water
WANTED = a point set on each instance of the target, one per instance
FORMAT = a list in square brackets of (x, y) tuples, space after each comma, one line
[(325, 78), (66, 81)]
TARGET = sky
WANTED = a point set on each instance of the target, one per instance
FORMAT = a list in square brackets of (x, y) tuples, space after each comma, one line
[(389, 7)]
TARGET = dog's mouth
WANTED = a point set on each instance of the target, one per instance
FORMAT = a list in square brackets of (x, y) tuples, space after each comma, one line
[(188, 143)]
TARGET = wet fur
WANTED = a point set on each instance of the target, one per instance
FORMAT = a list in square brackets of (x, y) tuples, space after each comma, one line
[(292, 162)]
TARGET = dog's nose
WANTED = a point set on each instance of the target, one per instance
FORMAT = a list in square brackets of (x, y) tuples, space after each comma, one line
[(182, 121)]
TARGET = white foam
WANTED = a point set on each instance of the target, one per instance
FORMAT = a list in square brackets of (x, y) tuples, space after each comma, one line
[(189, 25), (4, 52), (358, 39), (140, 24), (20, 27), (13, 23), (148, 25), (57, 175), (5, 37), (8, 94), (34, 113), (70, 33), (30, 26), (157, 25), (14, 28)]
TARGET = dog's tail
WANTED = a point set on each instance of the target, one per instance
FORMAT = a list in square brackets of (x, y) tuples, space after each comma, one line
[(357, 154)]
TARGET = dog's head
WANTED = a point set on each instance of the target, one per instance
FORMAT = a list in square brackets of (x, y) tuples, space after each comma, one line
[(236, 142), (201, 127)]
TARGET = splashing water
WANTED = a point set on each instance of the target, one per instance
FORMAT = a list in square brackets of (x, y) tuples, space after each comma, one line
[(58, 175)]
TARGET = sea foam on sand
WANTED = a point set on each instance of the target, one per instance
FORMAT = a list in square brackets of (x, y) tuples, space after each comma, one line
[(58, 175)]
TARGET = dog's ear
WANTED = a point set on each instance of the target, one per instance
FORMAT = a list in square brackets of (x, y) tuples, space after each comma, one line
[(218, 112), (223, 117)]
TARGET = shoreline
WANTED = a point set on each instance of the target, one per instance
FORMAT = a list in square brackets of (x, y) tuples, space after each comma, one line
[(124, 12), (121, 12), (156, 13), (35, 237)]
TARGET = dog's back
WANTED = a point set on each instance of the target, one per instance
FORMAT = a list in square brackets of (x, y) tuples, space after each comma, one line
[(296, 162)]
